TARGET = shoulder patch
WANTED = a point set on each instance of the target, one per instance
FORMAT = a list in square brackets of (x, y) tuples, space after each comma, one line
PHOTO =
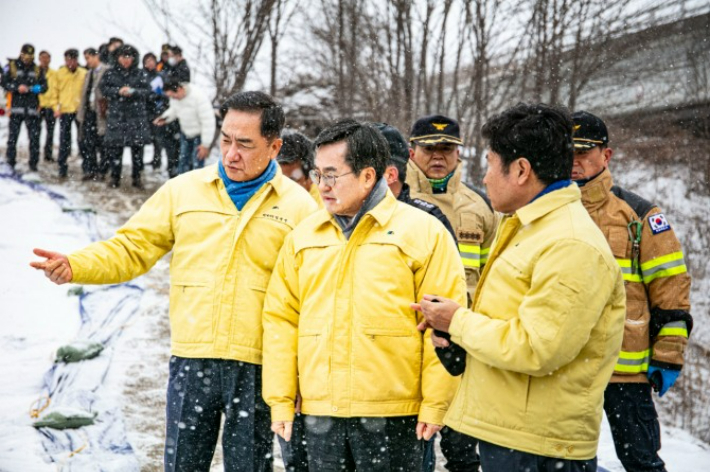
[(638, 204), (480, 193), (658, 223)]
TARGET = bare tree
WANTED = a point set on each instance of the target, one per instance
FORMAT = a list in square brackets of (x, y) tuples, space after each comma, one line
[(226, 35), (280, 19)]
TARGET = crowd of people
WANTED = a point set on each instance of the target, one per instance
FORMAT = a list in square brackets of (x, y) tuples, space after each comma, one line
[(112, 104), (355, 297)]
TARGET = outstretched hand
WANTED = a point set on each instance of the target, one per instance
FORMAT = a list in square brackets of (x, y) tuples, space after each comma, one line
[(56, 266)]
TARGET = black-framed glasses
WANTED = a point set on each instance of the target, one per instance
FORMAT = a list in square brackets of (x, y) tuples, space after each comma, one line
[(329, 179)]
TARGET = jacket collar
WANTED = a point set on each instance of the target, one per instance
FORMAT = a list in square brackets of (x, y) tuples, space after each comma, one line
[(382, 212), (421, 183), (597, 190), (212, 173), (547, 204)]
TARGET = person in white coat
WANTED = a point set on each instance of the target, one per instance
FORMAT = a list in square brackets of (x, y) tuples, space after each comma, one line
[(191, 106)]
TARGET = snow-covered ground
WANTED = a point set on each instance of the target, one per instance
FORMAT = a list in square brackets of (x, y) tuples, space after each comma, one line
[(125, 385)]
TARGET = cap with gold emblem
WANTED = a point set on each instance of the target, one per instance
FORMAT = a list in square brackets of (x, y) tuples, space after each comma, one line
[(28, 50), (435, 129), (588, 131)]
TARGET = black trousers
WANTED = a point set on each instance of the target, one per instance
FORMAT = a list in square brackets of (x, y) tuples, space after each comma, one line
[(47, 116), (459, 450), (498, 459), (368, 444), (91, 145), (31, 119), (65, 122), (114, 154), (295, 452), (634, 426), (200, 391), (168, 139)]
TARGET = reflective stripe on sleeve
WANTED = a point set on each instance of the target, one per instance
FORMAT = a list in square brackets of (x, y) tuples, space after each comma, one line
[(675, 328), (470, 255), (484, 255), (629, 276), (665, 266)]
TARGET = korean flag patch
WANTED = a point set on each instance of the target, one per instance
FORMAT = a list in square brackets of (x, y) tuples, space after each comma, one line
[(658, 223)]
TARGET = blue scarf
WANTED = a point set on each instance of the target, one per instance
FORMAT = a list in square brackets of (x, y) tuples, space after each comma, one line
[(241, 192), (552, 187)]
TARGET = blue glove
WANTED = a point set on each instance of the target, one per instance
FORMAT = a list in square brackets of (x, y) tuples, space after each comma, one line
[(662, 379), (159, 91), (36, 89)]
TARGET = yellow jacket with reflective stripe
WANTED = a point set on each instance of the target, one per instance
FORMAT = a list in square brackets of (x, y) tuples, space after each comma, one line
[(474, 222), (656, 285), (221, 260), (66, 90), (338, 323), (47, 99), (543, 334)]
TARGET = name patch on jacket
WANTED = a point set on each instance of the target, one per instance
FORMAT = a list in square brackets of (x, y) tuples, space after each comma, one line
[(658, 223)]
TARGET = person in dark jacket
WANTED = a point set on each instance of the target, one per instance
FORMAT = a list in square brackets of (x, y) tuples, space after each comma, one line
[(126, 90), (179, 70), (154, 104), (25, 81), (459, 449), (166, 137)]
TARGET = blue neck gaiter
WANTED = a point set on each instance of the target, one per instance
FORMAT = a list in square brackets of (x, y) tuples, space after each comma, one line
[(241, 192), (551, 188)]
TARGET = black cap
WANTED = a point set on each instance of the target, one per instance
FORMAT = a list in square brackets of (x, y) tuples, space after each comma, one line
[(165, 48), (28, 49), (435, 129), (399, 149), (588, 131)]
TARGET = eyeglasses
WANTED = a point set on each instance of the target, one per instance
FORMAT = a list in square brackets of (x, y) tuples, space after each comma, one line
[(329, 179)]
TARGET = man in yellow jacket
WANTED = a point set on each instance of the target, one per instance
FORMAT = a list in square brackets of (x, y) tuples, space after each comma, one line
[(66, 93), (338, 327), (546, 325), (657, 283), (224, 225), (46, 105)]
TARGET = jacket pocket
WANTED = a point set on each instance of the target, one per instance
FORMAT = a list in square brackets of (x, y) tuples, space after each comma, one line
[(313, 362), (392, 353), (191, 312)]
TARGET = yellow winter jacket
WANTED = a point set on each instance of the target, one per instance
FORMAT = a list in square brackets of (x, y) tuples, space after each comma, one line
[(47, 99), (472, 218), (338, 323), (66, 90), (544, 333), (221, 261)]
